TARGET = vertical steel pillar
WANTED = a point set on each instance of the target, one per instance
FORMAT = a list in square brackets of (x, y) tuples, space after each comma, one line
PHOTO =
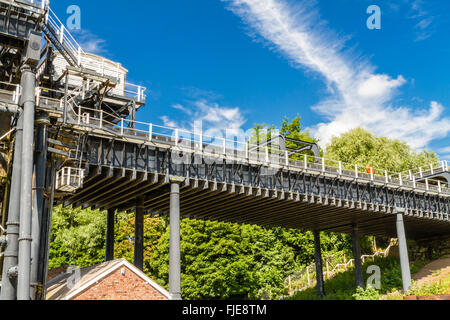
[(357, 254), (38, 201), (174, 254), (319, 265), (24, 267), (132, 114), (109, 248), (403, 250), (66, 93), (139, 234), (9, 282), (46, 230)]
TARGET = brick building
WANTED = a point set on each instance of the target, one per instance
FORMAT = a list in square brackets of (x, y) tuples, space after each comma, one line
[(113, 280)]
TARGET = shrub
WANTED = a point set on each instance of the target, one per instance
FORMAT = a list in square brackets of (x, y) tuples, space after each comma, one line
[(366, 294)]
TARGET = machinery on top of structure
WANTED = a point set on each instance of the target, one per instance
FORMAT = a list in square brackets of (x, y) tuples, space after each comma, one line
[(43, 65), (436, 174), (68, 127)]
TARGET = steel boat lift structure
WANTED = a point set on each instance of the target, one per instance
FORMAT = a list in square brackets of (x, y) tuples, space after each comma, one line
[(69, 136), (41, 62)]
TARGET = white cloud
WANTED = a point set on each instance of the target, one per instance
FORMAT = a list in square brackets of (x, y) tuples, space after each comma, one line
[(445, 150), (424, 20), (169, 123), (358, 95), (379, 86), (90, 42), (213, 119), (217, 119), (182, 108)]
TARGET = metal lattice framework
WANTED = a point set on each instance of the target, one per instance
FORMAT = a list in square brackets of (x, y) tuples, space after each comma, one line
[(251, 191), (73, 116)]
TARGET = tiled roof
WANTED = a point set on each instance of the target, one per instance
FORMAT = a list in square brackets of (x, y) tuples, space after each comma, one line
[(58, 288)]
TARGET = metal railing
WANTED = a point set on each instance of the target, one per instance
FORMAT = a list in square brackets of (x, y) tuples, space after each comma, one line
[(305, 278), (240, 150), (34, 5), (135, 92), (10, 92), (83, 60), (425, 171), (64, 36), (69, 179)]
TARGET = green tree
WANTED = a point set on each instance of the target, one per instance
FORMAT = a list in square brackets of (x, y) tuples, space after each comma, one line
[(358, 146), (212, 260), (154, 229), (77, 238)]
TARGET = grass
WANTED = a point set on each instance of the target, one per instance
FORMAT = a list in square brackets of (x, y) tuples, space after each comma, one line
[(436, 273), (437, 288), (342, 286)]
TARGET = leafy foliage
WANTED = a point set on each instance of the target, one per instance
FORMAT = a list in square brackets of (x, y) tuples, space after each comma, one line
[(77, 237), (366, 294), (438, 288), (359, 146), (342, 286), (294, 130), (229, 261)]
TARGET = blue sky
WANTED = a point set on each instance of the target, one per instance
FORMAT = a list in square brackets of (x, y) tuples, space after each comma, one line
[(236, 63)]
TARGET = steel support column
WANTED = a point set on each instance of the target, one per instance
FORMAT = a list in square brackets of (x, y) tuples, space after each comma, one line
[(46, 225), (139, 234), (403, 250), (66, 93), (38, 201), (109, 247), (174, 254), (9, 283), (25, 239), (319, 265), (357, 255)]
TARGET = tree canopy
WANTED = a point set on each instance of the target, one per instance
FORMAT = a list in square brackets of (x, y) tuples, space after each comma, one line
[(77, 237), (359, 146)]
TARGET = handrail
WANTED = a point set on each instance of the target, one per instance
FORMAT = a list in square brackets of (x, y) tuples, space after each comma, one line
[(363, 257), (35, 4), (336, 270), (14, 93), (66, 39), (64, 34), (183, 138), (431, 169)]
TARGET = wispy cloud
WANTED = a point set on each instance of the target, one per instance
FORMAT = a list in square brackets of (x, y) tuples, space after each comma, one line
[(214, 119), (445, 150), (219, 119), (90, 42), (358, 96), (445, 153), (197, 93), (182, 108), (424, 27), (168, 122)]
